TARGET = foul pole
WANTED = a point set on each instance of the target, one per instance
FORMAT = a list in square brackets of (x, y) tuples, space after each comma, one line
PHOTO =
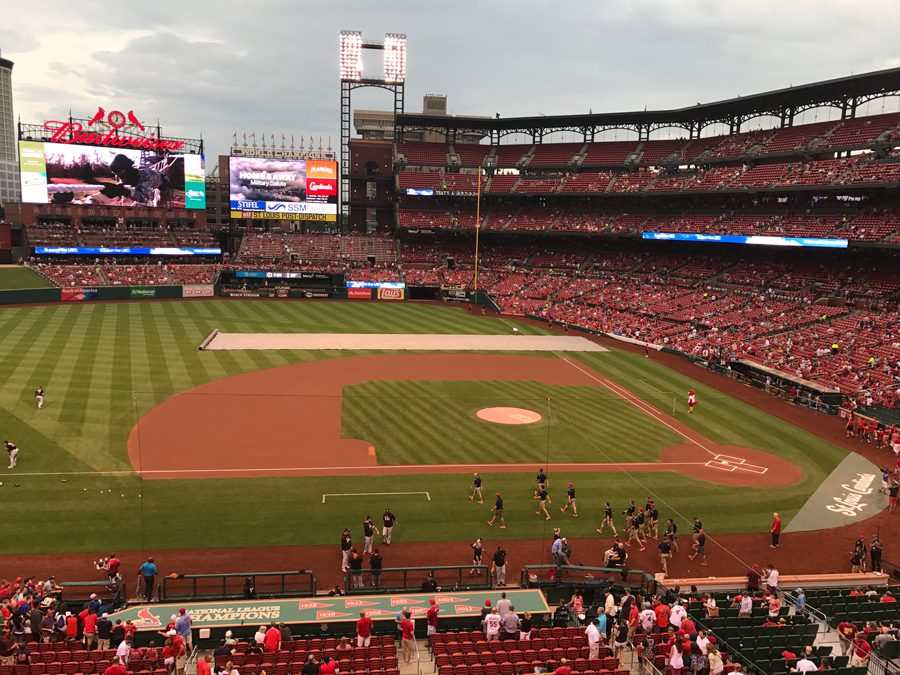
[(477, 225)]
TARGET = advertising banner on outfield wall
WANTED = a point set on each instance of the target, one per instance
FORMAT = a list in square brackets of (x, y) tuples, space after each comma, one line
[(198, 291), (143, 291), (390, 293), (77, 294), (359, 293)]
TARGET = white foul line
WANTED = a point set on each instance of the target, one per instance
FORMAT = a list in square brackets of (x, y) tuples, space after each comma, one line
[(370, 494), (636, 402), (654, 388), (569, 466)]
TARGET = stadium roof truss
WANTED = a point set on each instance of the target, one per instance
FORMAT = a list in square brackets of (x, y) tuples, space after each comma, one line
[(846, 94)]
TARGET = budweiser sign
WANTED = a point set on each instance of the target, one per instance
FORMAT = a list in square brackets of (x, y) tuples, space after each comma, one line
[(108, 132)]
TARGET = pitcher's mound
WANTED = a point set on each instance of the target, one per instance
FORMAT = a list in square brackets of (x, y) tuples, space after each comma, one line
[(509, 415)]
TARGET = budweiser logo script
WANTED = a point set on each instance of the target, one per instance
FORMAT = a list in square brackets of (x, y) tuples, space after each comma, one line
[(73, 134)]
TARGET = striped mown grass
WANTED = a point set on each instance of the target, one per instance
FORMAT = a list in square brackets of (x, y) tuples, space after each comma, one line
[(427, 422), (104, 365)]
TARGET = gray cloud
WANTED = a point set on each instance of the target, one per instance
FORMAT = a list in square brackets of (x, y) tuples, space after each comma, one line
[(271, 65)]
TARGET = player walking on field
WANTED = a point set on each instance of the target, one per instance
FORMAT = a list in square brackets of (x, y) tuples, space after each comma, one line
[(389, 519), (692, 401), (541, 480), (543, 498), (633, 528), (476, 490), (368, 535), (570, 500), (39, 397), (607, 519), (672, 534), (498, 512), (13, 454)]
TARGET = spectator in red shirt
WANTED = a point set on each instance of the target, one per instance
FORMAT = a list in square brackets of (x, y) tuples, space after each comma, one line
[(363, 630), (272, 641), (431, 618), (775, 530), (328, 665), (407, 637), (90, 629), (71, 627), (888, 597), (662, 615), (203, 666), (115, 669), (861, 651), (112, 565), (563, 669), (179, 651), (846, 632)]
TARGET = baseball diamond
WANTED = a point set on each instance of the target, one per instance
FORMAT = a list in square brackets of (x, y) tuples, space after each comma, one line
[(291, 422)]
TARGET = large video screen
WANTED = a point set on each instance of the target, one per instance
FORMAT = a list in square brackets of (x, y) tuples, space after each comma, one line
[(58, 173), (755, 240), (283, 189)]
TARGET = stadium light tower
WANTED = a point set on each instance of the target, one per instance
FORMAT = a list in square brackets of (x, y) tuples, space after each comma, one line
[(353, 76)]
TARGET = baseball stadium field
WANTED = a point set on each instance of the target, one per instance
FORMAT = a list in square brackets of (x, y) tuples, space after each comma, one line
[(147, 443)]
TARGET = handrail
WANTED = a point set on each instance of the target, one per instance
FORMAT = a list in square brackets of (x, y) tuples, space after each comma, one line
[(266, 584), (733, 651), (816, 613), (648, 582), (410, 579)]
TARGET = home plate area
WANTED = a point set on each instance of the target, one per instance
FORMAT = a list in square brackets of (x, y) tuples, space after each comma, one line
[(732, 464)]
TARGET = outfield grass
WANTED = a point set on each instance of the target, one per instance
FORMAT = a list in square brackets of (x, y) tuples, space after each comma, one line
[(14, 277), (104, 365)]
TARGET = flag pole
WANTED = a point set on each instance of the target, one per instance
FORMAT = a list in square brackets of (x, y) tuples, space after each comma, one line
[(477, 226)]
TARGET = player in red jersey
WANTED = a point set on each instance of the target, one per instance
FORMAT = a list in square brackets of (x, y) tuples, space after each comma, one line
[(692, 401)]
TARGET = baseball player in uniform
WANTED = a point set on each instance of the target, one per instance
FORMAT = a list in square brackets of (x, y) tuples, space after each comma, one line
[(543, 498), (368, 535), (388, 526), (476, 490), (39, 397), (570, 500), (607, 519), (13, 453), (692, 401)]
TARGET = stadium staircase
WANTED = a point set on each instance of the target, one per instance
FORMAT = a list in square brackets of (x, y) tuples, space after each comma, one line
[(526, 159), (578, 159)]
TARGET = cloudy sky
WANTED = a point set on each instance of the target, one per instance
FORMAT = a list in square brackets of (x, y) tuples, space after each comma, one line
[(221, 66)]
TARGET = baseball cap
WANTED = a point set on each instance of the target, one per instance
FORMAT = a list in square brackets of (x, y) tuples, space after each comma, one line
[(105, 615), (798, 590), (487, 603), (431, 602)]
